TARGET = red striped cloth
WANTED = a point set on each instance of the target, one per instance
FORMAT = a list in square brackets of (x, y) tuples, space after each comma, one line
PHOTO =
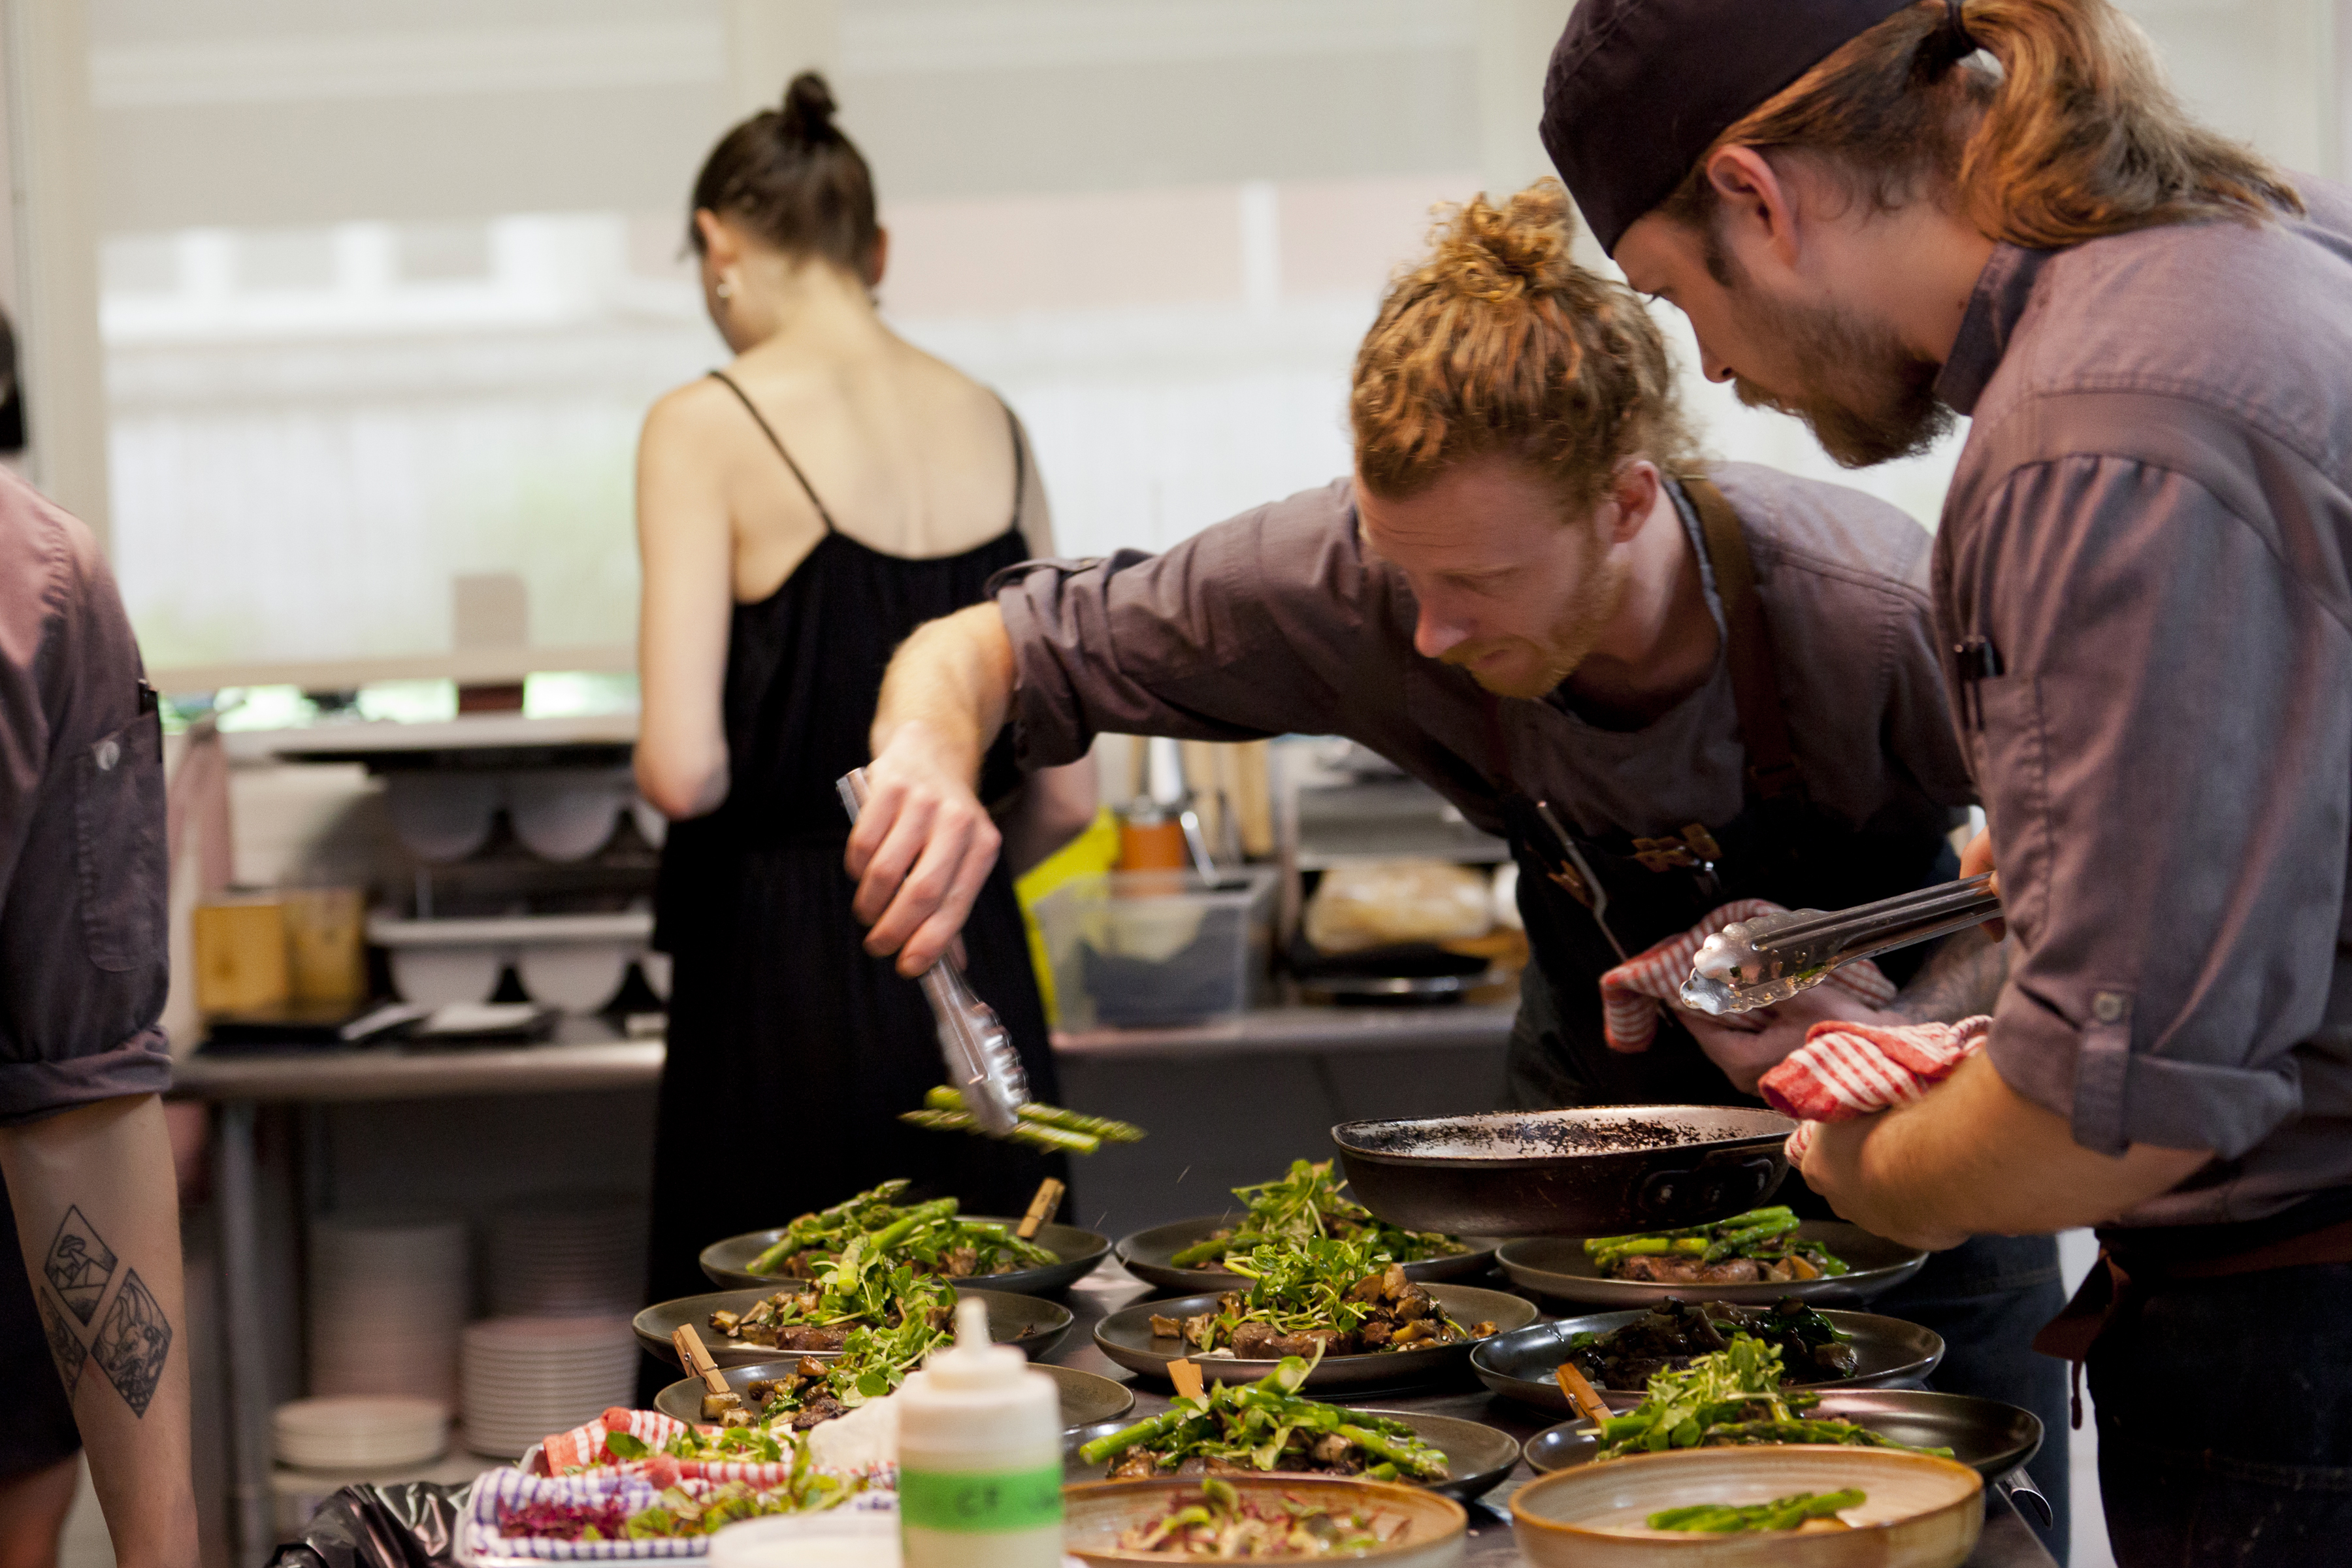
[(1845, 1070), (585, 1446), (1630, 993)]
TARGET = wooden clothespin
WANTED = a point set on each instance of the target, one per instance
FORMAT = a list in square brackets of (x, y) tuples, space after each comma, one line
[(1186, 1377), (1580, 1393), (696, 1359)]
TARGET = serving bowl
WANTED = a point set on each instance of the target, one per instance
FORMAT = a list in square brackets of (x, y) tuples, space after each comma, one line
[(1918, 1511), (1088, 1400), (1519, 1364), (1127, 1338), (1477, 1457), (1988, 1435), (1095, 1513), (726, 1261), (1591, 1171), (1558, 1267), (1151, 1255), (1034, 1326)]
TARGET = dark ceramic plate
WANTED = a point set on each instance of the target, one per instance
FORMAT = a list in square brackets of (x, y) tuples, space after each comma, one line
[(1988, 1437), (1478, 1456), (1558, 1267), (1894, 1354), (1151, 1255), (1127, 1338), (1080, 1251), (1088, 1399), (1036, 1326)]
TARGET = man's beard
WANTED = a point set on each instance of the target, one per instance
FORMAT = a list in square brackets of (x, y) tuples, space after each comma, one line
[(1867, 396), (1600, 592)]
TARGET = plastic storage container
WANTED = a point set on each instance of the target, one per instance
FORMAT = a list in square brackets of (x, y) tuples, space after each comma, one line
[(1143, 949)]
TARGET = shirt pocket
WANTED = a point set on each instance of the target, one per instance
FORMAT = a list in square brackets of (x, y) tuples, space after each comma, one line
[(119, 846)]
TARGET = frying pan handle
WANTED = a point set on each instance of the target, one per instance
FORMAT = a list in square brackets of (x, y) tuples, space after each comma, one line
[(2027, 1498), (1724, 1188)]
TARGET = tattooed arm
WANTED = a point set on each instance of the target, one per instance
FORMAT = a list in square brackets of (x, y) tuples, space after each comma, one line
[(98, 1218), (1960, 979)]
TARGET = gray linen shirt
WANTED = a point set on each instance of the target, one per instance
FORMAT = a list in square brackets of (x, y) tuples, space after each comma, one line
[(2151, 523), (1276, 622), (83, 960)]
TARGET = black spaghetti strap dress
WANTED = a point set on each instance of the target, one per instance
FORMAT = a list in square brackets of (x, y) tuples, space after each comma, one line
[(792, 1052)]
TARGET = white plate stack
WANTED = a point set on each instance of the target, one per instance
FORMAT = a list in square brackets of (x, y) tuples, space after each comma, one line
[(580, 1257), (360, 1434), (523, 1379), (388, 1295)]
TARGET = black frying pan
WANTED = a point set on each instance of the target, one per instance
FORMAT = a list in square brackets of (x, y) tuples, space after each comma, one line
[(1594, 1171)]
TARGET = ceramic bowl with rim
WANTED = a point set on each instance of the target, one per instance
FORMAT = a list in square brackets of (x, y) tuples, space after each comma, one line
[(1095, 1513), (1918, 1511)]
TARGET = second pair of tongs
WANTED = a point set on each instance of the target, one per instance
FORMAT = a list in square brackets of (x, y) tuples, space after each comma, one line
[(980, 1061), (1756, 962)]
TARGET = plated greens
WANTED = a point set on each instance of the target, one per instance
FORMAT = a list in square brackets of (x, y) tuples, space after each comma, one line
[(1307, 1204), (1761, 1246), (1223, 1524), (862, 1287), (1817, 1510), (1267, 1425), (1729, 1398), (932, 1237), (1316, 1297), (1673, 1333)]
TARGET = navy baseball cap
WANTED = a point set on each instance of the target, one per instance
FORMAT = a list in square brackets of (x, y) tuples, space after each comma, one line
[(1638, 89)]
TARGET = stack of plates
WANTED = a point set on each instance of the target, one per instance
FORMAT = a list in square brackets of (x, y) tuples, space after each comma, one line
[(388, 1295), (526, 1378), (360, 1434), (568, 1258)]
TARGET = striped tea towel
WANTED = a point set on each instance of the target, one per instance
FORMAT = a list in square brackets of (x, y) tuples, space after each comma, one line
[(484, 1541), (1845, 1070), (1630, 993), (585, 1446)]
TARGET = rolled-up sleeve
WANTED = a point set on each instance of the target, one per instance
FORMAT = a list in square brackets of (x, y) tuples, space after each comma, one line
[(1241, 632), (2166, 760)]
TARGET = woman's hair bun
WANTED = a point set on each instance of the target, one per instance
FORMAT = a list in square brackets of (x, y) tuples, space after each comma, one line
[(808, 107)]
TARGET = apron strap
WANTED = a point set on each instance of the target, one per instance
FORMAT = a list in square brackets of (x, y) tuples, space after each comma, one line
[(1755, 682)]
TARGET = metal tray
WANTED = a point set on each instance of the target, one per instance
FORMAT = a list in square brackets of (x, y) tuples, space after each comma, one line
[(1127, 1338), (1988, 1437), (1147, 1255), (1593, 1171), (1088, 1399), (1558, 1267), (725, 1261), (1478, 1455), (1036, 1326), (1519, 1366)]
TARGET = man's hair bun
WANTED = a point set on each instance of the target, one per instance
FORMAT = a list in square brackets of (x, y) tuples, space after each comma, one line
[(808, 109)]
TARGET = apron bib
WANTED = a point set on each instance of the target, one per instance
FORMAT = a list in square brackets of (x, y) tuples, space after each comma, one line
[(1590, 900)]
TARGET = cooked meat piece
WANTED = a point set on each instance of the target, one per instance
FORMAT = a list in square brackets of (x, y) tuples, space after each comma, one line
[(809, 1337), (1253, 1342), (822, 1408), (1333, 1342), (1136, 1464), (1690, 1270), (1165, 1328), (1376, 1334), (1479, 1331), (1412, 1302), (1731, 1271)]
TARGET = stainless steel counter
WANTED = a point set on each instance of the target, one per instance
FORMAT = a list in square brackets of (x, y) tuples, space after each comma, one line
[(2007, 1542)]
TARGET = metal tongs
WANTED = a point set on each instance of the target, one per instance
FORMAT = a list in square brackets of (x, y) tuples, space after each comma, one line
[(1754, 964), (981, 1063)]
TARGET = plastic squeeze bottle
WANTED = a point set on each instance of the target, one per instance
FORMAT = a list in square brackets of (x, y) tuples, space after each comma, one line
[(980, 1456)]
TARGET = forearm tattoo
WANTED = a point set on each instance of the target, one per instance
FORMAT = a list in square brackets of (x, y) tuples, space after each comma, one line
[(132, 1337), (1961, 980)]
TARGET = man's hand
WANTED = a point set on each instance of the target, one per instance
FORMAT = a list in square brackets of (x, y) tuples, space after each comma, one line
[(1833, 1168), (1746, 1046), (921, 850)]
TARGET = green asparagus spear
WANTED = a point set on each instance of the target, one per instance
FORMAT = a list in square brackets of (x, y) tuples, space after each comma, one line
[(946, 1097), (1031, 1132)]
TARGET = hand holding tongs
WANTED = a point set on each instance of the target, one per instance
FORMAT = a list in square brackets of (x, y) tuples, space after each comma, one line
[(981, 1063), (1754, 964)]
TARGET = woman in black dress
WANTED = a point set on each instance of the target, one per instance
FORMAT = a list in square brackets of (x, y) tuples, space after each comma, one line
[(799, 514)]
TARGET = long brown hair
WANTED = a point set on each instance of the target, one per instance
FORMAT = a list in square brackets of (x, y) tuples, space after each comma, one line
[(1499, 342), (791, 176), (2076, 135)]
